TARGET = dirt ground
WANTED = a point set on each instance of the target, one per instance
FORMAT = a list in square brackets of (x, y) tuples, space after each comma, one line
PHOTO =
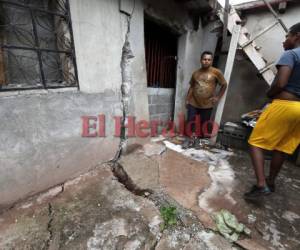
[(118, 206)]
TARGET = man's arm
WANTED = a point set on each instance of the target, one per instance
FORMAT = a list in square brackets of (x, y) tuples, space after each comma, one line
[(223, 83), (280, 81), (188, 96), (222, 91), (189, 93)]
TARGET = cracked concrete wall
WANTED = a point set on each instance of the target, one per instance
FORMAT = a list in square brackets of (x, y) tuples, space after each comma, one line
[(40, 141)]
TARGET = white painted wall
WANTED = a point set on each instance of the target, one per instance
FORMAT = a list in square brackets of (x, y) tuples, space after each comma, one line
[(271, 41), (98, 31)]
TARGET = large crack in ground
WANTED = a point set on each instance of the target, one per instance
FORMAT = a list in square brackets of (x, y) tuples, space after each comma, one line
[(49, 226), (122, 176), (187, 221)]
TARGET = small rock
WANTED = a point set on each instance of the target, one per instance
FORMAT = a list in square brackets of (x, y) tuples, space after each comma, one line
[(251, 218)]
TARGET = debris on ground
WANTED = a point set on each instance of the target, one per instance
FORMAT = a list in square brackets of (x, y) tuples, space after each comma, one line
[(228, 225)]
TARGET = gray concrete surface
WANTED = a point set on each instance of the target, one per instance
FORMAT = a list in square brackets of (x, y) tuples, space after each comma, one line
[(161, 103), (41, 143), (273, 220), (98, 56), (96, 211), (246, 92), (93, 212)]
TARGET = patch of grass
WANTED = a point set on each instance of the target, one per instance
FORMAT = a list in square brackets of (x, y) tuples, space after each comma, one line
[(169, 215)]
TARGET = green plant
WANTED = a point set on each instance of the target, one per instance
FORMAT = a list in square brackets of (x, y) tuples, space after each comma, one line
[(169, 215)]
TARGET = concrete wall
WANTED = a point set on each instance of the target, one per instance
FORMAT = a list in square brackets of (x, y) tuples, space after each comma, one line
[(191, 44), (98, 55), (258, 20), (246, 91), (41, 143), (40, 140), (161, 103)]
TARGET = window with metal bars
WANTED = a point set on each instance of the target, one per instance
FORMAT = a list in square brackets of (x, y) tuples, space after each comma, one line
[(36, 45), (161, 55)]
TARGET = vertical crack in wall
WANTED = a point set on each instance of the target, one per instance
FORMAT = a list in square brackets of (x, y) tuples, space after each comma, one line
[(126, 58)]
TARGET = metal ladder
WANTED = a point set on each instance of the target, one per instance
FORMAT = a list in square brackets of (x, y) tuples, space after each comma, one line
[(248, 43), (240, 37)]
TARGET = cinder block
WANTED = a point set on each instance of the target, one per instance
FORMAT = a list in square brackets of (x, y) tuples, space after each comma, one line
[(153, 109), (149, 99), (165, 117), (163, 108), (155, 99), (167, 99), (154, 117)]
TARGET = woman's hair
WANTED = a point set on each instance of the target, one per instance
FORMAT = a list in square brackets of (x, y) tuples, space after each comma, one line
[(295, 28)]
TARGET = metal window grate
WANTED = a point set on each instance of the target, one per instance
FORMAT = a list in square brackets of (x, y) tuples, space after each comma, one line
[(161, 56), (36, 45)]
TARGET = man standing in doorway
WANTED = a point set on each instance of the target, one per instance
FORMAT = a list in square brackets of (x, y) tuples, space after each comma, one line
[(202, 96), (278, 128)]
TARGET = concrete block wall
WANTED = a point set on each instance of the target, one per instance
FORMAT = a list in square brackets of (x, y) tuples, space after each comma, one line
[(161, 103)]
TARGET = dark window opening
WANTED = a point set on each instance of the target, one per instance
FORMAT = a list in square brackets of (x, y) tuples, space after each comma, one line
[(36, 45), (161, 55)]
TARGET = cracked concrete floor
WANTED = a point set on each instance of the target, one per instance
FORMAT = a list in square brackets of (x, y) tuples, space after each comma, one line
[(95, 211), (274, 220)]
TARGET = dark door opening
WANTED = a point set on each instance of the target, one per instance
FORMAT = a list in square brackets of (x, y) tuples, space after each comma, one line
[(161, 55)]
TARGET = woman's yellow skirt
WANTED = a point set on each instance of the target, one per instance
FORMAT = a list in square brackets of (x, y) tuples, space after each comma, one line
[(278, 127)]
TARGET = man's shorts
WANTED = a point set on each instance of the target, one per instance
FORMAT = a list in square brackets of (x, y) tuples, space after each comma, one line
[(278, 127)]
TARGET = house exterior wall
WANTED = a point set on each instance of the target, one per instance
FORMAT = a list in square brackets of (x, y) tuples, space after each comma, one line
[(40, 141)]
